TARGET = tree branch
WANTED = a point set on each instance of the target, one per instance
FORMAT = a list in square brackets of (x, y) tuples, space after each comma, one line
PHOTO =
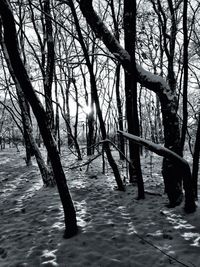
[(145, 78), (182, 164)]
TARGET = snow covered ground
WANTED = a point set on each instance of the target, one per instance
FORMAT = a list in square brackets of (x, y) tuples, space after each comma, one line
[(116, 230)]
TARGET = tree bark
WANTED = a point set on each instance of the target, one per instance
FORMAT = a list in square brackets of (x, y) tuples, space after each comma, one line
[(185, 71), (131, 94), (195, 165), (28, 146), (90, 132), (120, 113), (10, 38), (49, 71), (117, 86)]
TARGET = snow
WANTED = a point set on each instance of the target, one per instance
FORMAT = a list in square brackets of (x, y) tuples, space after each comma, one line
[(115, 228), (154, 82)]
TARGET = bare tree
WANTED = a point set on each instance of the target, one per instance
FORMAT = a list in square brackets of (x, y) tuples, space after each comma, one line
[(11, 44), (131, 94)]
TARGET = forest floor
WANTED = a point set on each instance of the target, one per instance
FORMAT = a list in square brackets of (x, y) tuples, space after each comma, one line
[(116, 230)]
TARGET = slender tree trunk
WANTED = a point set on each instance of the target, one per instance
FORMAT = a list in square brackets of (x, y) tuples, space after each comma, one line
[(195, 168), (28, 146), (46, 174), (90, 132), (118, 77), (120, 112), (185, 79), (57, 116), (90, 116), (67, 116), (10, 38), (131, 94), (49, 71), (159, 128)]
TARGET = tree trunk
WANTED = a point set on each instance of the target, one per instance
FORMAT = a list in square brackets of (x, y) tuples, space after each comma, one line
[(195, 168), (57, 116), (120, 113), (67, 116), (159, 129), (49, 71), (46, 174), (117, 87), (28, 147), (131, 94), (185, 79), (90, 132), (10, 38)]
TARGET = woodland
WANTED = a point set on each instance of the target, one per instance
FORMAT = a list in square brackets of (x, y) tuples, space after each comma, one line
[(99, 111)]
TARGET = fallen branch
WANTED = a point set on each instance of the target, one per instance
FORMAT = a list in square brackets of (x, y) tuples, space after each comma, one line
[(85, 163), (182, 164)]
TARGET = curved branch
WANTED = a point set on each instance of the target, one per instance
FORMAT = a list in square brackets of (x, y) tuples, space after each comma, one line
[(145, 78), (190, 205)]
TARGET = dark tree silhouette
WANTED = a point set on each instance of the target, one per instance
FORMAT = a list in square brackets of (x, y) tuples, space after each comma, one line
[(131, 94), (11, 44)]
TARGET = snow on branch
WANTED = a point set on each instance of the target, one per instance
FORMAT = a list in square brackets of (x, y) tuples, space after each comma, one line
[(156, 148), (145, 78), (182, 164), (153, 82), (103, 33)]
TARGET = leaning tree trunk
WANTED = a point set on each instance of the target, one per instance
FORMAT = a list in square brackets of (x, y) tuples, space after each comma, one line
[(45, 172), (154, 83), (10, 38)]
